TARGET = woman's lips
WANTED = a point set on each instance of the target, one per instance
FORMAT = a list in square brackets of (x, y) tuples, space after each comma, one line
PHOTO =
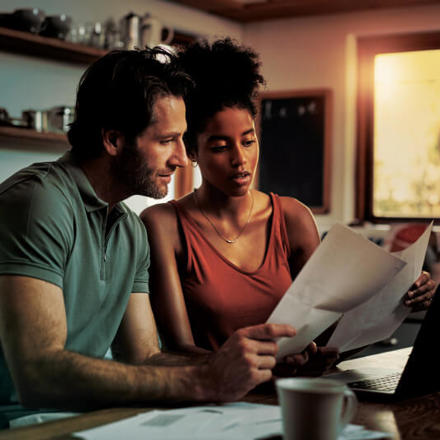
[(241, 178)]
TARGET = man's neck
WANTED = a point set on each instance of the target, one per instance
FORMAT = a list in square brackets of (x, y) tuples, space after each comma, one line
[(98, 172)]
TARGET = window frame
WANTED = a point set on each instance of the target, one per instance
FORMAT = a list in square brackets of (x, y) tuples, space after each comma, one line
[(367, 49)]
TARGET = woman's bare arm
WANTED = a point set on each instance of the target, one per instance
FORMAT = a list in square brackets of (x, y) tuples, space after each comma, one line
[(166, 289)]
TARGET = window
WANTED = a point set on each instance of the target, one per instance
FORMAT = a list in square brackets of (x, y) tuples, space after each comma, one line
[(398, 161)]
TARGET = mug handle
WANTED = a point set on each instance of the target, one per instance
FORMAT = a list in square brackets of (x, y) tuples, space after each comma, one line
[(350, 405), (170, 35)]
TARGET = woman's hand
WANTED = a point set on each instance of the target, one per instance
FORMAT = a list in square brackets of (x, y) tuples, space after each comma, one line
[(421, 293), (313, 361)]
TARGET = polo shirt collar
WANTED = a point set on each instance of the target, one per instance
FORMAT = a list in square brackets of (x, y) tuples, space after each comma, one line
[(90, 199)]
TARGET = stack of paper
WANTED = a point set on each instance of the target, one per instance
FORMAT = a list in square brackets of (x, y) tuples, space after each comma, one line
[(351, 276), (234, 421)]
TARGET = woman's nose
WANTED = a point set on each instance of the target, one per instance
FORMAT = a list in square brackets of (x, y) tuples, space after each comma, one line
[(238, 156)]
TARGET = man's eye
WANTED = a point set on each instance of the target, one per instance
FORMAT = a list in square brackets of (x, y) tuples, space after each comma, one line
[(166, 141)]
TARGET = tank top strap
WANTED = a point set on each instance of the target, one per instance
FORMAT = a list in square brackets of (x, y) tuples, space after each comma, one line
[(279, 221)]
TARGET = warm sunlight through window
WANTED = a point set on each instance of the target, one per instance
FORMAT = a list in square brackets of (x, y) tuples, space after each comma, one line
[(406, 177)]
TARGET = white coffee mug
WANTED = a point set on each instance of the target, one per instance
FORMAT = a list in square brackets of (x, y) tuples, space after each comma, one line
[(152, 31), (314, 408)]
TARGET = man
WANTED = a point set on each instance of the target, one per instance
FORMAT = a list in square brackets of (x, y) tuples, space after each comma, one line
[(74, 259)]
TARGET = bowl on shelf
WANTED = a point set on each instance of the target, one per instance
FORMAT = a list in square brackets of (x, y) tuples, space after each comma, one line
[(28, 20), (6, 20), (56, 26), (5, 119)]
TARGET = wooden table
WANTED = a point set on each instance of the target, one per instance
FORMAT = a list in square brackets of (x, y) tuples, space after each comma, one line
[(412, 419)]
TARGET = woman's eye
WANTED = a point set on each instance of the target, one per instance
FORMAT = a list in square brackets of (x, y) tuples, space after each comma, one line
[(219, 148), (249, 142)]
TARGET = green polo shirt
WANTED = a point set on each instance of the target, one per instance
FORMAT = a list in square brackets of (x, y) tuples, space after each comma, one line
[(54, 227)]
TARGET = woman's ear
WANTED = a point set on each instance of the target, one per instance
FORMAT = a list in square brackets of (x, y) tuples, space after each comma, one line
[(192, 156), (113, 141)]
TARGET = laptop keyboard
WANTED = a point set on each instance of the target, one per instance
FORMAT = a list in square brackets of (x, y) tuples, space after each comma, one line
[(386, 383)]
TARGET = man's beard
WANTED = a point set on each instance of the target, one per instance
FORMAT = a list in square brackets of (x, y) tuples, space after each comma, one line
[(130, 170)]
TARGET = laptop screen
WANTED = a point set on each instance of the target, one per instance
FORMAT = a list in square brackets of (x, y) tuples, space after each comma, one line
[(422, 372)]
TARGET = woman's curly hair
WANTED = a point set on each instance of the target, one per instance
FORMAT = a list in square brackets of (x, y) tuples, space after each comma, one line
[(226, 74)]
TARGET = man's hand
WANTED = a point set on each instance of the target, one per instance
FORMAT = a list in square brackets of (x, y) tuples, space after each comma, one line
[(245, 360), (420, 294), (313, 361)]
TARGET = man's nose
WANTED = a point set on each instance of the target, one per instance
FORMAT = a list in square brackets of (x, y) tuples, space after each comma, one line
[(180, 158)]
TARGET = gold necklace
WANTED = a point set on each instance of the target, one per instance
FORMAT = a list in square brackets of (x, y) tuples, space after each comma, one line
[(227, 240)]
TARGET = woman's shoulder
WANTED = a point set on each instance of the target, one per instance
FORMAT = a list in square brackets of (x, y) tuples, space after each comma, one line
[(163, 215), (301, 226), (298, 216), (158, 213), (293, 209)]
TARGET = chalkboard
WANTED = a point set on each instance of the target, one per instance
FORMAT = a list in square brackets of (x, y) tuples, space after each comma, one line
[(295, 146)]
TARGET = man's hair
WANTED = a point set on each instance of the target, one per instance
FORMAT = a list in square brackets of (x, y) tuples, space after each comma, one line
[(226, 74), (118, 92)]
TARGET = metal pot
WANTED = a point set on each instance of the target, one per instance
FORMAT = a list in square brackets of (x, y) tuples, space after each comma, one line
[(59, 118), (35, 119)]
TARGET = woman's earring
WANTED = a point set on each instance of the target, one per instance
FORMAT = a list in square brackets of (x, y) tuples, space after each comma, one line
[(194, 163)]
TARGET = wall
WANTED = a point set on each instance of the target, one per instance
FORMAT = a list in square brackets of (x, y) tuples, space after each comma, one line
[(27, 82), (319, 52), (316, 52)]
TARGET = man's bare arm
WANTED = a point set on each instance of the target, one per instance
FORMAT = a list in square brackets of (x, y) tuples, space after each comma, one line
[(33, 333), (137, 342)]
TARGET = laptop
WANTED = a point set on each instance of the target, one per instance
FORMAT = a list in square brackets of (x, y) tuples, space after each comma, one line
[(420, 375)]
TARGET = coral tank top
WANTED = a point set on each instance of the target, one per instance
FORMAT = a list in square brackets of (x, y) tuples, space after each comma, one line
[(219, 296)]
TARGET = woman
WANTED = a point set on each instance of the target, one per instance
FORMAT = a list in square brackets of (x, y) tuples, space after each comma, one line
[(223, 256)]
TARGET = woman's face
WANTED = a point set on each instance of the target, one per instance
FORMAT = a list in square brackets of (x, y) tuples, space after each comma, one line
[(227, 151)]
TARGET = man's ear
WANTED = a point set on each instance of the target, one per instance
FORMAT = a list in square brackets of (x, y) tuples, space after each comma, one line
[(113, 141)]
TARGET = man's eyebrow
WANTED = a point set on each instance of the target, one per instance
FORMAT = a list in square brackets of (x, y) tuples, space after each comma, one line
[(171, 134)]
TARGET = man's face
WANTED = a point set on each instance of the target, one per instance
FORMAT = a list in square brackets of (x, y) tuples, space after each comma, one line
[(146, 168)]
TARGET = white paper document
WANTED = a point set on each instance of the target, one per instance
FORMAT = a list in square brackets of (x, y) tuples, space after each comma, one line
[(233, 421), (380, 316), (344, 271)]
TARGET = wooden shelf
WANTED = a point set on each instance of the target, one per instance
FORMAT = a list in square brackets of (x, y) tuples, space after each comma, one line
[(27, 138), (53, 48), (19, 42)]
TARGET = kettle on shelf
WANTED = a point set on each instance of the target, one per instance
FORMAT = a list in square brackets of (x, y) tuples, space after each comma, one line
[(129, 25), (153, 32)]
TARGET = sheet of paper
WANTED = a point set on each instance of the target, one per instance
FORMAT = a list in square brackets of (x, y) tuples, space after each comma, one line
[(158, 425), (380, 316), (233, 421), (343, 272)]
